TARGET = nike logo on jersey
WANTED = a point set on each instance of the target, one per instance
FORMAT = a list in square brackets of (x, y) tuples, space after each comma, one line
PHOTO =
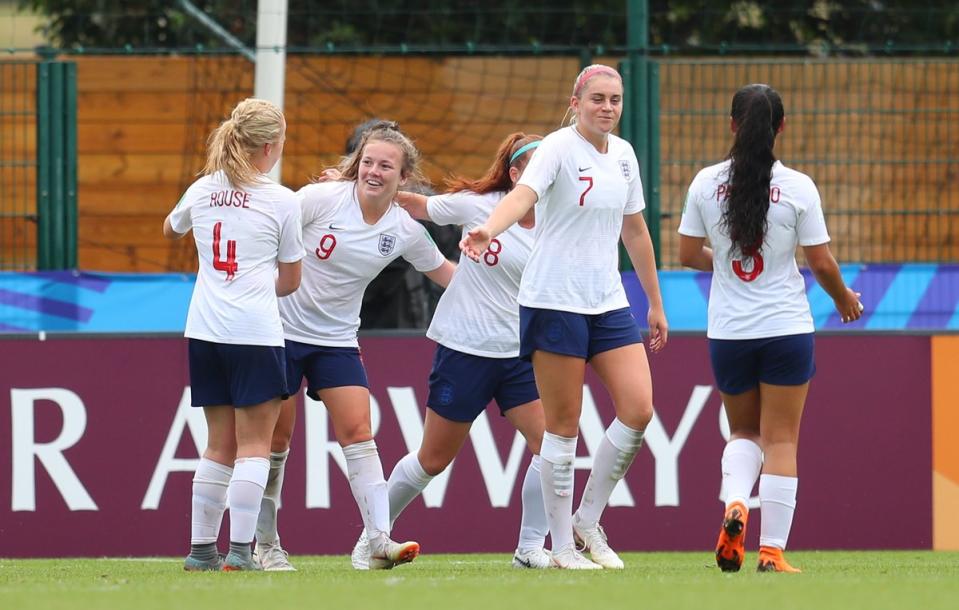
[(583, 169), (333, 227)]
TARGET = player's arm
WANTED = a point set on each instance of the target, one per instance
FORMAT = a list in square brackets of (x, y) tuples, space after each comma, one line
[(442, 274), (414, 204), (288, 278), (168, 231), (511, 208), (824, 266), (639, 246), (694, 253)]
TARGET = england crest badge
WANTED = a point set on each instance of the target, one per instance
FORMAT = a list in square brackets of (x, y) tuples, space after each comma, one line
[(624, 167), (387, 243)]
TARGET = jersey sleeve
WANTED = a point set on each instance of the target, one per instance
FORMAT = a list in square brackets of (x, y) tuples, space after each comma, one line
[(452, 208), (318, 201), (692, 224), (635, 201), (811, 224), (291, 229), (421, 252), (544, 166), (180, 219)]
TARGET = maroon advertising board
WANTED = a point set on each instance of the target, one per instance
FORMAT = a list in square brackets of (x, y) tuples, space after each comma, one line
[(99, 444)]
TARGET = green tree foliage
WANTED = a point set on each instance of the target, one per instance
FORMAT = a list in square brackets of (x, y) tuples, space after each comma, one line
[(682, 25)]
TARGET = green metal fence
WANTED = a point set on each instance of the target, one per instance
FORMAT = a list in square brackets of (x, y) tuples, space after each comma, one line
[(38, 165), (879, 136)]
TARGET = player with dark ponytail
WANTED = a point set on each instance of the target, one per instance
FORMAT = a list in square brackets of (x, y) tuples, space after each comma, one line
[(755, 212)]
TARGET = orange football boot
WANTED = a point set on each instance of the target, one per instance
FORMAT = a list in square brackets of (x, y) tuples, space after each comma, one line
[(771, 559), (730, 548)]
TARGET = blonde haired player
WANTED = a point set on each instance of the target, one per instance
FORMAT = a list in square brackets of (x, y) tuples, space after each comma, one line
[(755, 211), (586, 187), (476, 329), (353, 229), (248, 239)]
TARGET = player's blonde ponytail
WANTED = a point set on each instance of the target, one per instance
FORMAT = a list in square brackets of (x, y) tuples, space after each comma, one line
[(232, 145)]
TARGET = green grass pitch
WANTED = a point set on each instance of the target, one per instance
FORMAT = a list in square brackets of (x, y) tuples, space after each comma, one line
[(892, 579)]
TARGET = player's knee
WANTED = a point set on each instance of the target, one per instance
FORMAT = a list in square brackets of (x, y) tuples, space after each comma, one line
[(433, 464), (637, 416)]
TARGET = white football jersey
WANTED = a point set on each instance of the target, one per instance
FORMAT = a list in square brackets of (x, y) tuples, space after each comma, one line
[(240, 236), (478, 314), (583, 196), (344, 254), (764, 296)]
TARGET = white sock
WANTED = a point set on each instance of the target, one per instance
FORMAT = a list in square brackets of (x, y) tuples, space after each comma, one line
[(209, 500), (533, 528), (777, 499), (365, 472), (613, 458), (407, 481), (742, 461), (558, 453), (266, 529), (245, 493)]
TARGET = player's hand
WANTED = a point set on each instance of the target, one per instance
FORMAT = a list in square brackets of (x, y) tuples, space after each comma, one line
[(476, 242), (850, 308), (658, 329), (330, 174)]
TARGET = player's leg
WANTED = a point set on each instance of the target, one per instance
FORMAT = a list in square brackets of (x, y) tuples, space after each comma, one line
[(269, 551), (529, 419), (559, 379), (210, 385), (788, 363), (557, 342), (349, 409), (254, 429), (736, 368), (210, 483), (782, 408), (625, 373)]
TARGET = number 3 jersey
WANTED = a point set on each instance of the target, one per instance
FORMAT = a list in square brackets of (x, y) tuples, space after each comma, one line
[(763, 296), (344, 254), (478, 313), (583, 195), (240, 235)]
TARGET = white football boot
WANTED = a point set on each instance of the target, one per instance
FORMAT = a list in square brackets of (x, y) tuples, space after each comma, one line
[(593, 539), (535, 559)]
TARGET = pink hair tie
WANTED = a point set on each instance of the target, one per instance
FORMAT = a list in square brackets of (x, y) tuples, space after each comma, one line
[(591, 71)]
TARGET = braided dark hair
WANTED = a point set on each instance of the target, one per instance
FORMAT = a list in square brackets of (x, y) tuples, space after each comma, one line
[(757, 111)]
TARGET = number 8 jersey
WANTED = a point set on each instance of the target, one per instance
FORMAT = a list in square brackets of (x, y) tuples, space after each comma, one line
[(240, 236), (763, 296)]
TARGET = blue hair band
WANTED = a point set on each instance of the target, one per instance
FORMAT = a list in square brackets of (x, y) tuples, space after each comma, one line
[(524, 148)]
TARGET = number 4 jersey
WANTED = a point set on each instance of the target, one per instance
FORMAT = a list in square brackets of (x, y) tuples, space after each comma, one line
[(240, 236), (763, 296)]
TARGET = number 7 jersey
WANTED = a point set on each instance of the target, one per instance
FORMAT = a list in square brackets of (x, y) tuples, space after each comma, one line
[(240, 236)]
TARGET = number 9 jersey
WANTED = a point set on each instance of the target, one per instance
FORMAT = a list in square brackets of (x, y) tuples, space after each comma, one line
[(763, 296), (240, 236)]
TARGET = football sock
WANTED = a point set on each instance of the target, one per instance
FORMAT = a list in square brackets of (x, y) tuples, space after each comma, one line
[(205, 551), (533, 527), (241, 548), (742, 461), (777, 499), (407, 481), (613, 458), (558, 454), (209, 501), (266, 528), (245, 493), (365, 473)]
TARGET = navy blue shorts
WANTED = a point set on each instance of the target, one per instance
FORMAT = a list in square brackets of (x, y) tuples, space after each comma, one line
[(238, 375), (740, 365), (323, 367), (461, 385), (575, 334)]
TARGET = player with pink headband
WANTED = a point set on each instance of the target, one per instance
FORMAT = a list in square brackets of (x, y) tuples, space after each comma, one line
[(585, 183)]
